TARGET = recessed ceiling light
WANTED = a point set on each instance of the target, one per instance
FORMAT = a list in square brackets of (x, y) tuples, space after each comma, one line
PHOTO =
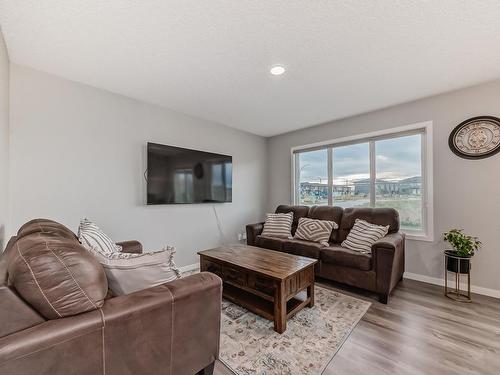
[(277, 70)]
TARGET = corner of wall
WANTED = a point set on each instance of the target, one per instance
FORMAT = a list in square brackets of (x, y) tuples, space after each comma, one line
[(267, 201), (4, 142)]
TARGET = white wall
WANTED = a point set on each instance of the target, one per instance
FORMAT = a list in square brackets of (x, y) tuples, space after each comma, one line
[(466, 192), (4, 142), (78, 151)]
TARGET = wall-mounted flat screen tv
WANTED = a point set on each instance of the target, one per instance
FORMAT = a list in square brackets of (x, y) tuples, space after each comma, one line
[(178, 175)]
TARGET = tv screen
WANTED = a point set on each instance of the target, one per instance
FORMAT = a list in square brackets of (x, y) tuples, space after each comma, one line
[(179, 175)]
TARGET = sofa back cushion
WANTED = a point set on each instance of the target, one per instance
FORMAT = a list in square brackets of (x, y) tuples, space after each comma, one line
[(58, 278), (47, 228), (330, 213), (298, 212), (378, 216)]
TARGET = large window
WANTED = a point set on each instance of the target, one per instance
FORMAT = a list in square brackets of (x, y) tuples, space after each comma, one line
[(378, 170)]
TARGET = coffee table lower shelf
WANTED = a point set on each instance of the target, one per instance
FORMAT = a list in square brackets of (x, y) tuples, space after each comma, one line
[(259, 305)]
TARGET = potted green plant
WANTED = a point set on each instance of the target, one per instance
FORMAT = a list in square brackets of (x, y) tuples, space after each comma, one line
[(464, 247)]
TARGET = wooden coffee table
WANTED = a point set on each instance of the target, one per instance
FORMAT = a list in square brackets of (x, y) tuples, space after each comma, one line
[(265, 282)]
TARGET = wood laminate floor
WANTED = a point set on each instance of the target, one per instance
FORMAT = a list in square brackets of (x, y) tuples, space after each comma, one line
[(420, 331)]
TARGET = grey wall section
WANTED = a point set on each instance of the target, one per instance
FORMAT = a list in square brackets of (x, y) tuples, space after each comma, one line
[(466, 193), (78, 151), (4, 142)]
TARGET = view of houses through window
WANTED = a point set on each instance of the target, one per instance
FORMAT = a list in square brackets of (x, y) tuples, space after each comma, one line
[(381, 172)]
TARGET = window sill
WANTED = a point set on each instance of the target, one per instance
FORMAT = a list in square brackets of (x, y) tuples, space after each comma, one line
[(418, 237)]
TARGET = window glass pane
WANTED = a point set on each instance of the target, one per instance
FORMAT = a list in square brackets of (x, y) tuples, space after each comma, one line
[(313, 177), (399, 178), (351, 175)]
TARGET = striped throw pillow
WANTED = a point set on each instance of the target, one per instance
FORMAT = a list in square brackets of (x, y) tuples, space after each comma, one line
[(363, 235), (315, 230), (278, 225), (91, 237)]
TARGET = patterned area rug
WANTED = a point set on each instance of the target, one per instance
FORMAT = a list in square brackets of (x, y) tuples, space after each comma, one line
[(249, 345)]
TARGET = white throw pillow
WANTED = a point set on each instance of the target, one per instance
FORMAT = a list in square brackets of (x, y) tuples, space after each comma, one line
[(93, 238), (278, 225), (127, 273), (363, 235)]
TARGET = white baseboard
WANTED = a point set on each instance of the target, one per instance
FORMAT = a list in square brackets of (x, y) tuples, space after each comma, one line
[(189, 267), (407, 275), (436, 281)]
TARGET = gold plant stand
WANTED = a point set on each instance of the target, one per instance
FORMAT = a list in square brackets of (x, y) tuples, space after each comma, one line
[(463, 266)]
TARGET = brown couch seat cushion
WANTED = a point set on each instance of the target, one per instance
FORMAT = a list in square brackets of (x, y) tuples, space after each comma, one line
[(341, 256), (303, 248), (272, 243)]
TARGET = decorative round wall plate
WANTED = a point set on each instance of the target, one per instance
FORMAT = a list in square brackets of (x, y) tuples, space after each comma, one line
[(476, 138)]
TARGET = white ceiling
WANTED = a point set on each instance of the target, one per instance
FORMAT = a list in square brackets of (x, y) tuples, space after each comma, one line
[(211, 58)]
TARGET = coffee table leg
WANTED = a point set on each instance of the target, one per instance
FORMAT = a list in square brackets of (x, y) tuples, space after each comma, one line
[(280, 308), (310, 294)]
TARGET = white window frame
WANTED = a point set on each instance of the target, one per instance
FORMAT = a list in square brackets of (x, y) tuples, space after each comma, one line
[(425, 128)]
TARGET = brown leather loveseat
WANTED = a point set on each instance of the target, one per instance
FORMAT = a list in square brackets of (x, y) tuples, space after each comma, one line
[(58, 319), (378, 272)]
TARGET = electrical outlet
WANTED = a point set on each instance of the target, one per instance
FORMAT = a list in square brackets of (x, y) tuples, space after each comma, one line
[(242, 236)]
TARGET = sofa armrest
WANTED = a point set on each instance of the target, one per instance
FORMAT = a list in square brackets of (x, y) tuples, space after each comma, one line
[(132, 246), (172, 328), (389, 261), (38, 349), (253, 230), (393, 241)]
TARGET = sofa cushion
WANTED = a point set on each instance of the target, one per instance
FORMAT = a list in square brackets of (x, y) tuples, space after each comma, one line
[(58, 278), (35, 229), (303, 248), (47, 228), (272, 243), (363, 235), (129, 272), (278, 225), (315, 230), (330, 213), (378, 216), (340, 256), (93, 238), (298, 212)]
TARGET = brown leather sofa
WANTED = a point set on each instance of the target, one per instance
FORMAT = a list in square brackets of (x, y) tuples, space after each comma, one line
[(378, 272), (57, 317)]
